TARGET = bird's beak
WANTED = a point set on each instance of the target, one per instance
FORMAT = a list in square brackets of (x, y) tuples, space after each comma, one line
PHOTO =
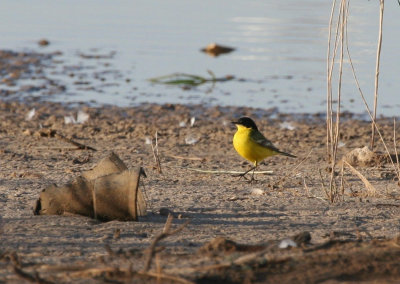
[(234, 122)]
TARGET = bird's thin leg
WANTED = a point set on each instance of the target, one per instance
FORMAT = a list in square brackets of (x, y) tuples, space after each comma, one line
[(246, 172), (254, 169)]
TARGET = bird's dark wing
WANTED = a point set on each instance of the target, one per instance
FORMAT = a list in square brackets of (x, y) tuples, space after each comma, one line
[(258, 138)]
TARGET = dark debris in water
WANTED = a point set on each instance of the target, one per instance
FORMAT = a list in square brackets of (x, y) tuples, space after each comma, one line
[(215, 50), (189, 80), (43, 42), (110, 55)]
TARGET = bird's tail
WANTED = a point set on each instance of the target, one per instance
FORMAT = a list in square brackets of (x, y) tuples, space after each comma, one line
[(287, 154)]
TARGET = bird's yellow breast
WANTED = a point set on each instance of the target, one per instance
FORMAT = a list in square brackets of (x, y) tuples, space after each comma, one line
[(249, 149)]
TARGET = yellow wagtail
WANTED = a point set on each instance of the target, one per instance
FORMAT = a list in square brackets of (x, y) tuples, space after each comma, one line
[(252, 145)]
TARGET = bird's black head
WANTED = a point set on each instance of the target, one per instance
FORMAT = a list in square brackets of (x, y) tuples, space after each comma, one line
[(246, 122)]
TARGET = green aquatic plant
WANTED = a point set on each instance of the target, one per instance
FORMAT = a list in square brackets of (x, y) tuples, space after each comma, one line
[(188, 80)]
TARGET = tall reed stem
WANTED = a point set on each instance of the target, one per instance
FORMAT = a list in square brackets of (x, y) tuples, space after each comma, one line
[(378, 56), (333, 118)]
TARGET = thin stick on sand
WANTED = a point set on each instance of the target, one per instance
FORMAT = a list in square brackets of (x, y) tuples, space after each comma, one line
[(186, 158), (78, 145), (219, 172), (371, 191), (155, 154), (165, 233), (55, 134)]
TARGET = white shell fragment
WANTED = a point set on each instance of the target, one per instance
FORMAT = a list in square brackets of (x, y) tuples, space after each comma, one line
[(30, 114), (285, 243), (287, 125), (191, 140), (69, 119), (192, 121), (147, 141), (82, 117)]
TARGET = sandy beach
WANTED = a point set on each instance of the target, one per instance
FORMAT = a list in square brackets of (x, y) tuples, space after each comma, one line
[(353, 239)]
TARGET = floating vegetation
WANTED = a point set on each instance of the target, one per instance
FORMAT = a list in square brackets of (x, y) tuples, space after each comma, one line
[(188, 81)]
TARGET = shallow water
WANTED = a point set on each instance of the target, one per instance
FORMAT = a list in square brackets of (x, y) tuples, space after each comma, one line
[(280, 59)]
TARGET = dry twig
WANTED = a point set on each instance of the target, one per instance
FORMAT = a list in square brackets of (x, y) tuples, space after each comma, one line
[(55, 134), (219, 172), (333, 131), (165, 233), (187, 158), (156, 155), (78, 145), (371, 191)]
